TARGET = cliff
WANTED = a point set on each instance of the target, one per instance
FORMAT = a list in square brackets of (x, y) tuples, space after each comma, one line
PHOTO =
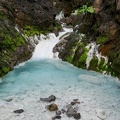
[(95, 32), (20, 19), (100, 33)]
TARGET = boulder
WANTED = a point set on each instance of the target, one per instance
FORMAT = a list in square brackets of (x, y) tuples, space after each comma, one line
[(49, 99), (77, 116), (19, 111), (70, 112), (56, 117), (52, 107), (101, 114), (75, 102), (58, 112)]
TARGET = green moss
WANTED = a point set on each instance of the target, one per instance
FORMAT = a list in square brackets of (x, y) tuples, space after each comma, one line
[(81, 62), (70, 58), (51, 27), (102, 65), (59, 27), (94, 64), (2, 16), (101, 39), (11, 43), (20, 41), (82, 59), (8, 41), (13, 48), (5, 70), (30, 31)]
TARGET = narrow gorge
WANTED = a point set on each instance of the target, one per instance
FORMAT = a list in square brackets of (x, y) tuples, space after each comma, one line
[(63, 54)]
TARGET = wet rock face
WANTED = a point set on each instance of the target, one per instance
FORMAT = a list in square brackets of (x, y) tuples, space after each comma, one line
[(14, 49), (35, 12), (66, 46), (102, 27), (13, 46)]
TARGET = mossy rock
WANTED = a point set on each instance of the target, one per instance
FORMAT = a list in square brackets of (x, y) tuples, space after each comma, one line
[(80, 55), (94, 64), (102, 39), (5, 70), (30, 31), (82, 60)]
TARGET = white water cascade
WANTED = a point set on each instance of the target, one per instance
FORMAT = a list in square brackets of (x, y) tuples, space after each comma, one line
[(46, 43)]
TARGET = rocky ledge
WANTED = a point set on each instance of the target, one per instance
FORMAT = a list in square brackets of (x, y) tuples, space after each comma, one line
[(101, 27), (96, 31), (20, 19)]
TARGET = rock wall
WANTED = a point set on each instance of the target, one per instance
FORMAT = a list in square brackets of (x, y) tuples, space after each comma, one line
[(101, 27), (31, 17), (37, 16)]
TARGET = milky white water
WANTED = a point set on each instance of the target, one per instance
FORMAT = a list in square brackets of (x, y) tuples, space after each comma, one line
[(44, 75)]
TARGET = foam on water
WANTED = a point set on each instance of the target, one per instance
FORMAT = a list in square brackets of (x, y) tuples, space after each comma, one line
[(44, 48)]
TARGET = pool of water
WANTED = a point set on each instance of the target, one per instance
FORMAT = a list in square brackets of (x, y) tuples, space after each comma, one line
[(41, 78)]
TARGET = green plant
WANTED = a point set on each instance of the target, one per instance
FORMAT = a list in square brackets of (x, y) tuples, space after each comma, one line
[(85, 9), (5, 69), (102, 39)]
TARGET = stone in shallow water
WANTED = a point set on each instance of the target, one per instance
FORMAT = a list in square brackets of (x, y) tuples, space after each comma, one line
[(101, 114), (8, 99), (70, 112), (63, 111), (49, 99), (75, 102), (19, 111), (68, 106), (77, 116), (56, 117), (58, 112), (52, 107)]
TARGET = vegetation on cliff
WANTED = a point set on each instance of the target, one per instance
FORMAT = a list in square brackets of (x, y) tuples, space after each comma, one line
[(101, 26), (100, 22), (30, 20)]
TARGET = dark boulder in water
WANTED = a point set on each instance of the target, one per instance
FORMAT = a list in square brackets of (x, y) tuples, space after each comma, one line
[(56, 117), (58, 112), (70, 112), (49, 99), (77, 116), (19, 111), (52, 107)]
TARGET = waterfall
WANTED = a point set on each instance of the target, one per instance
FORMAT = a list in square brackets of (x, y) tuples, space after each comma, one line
[(60, 16), (93, 51), (44, 49), (46, 43), (90, 54)]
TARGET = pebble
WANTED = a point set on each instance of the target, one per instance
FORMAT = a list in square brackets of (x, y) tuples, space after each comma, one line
[(52, 107), (49, 99), (70, 112), (101, 114), (56, 117), (77, 115), (58, 112), (19, 111)]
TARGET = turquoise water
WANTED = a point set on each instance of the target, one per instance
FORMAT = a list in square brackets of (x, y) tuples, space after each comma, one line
[(51, 76), (40, 73), (99, 95)]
